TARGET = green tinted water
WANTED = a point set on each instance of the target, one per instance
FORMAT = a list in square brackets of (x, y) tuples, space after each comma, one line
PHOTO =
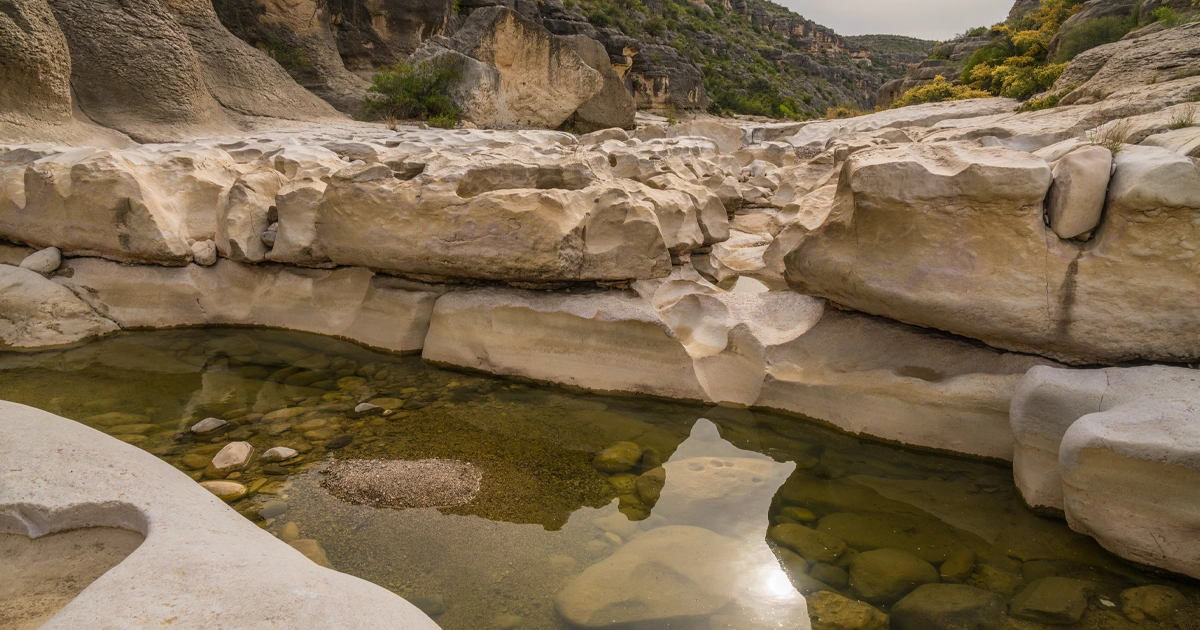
[(543, 513)]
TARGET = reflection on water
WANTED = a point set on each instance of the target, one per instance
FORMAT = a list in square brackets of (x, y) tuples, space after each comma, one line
[(593, 510)]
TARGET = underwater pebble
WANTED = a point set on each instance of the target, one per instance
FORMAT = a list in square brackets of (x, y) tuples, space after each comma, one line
[(225, 490), (208, 425), (278, 454)]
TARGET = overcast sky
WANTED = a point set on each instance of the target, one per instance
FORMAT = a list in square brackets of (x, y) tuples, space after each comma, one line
[(928, 19)]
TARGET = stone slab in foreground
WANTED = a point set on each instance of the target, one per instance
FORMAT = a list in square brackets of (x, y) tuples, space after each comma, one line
[(202, 565)]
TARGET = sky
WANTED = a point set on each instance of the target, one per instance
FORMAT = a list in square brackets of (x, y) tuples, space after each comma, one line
[(927, 19)]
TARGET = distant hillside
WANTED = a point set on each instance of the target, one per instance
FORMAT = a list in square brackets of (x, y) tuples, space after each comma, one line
[(749, 57)]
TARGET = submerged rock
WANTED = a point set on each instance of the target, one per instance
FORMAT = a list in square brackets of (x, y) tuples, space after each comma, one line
[(225, 490), (885, 575), (312, 550), (233, 456), (948, 607), (830, 611), (618, 458), (403, 483), (1053, 600), (278, 454), (1155, 602), (208, 425)]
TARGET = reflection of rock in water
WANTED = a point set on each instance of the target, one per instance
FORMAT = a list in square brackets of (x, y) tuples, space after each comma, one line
[(718, 486), (707, 561), (403, 483)]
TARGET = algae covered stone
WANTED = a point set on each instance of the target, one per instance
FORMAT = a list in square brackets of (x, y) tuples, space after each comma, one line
[(1053, 600), (948, 607), (885, 575), (830, 611), (618, 458), (1154, 601), (811, 544)]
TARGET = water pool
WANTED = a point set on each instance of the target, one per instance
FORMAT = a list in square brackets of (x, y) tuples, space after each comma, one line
[(592, 507)]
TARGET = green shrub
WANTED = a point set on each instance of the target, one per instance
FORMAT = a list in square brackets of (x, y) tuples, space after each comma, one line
[(420, 90), (1046, 102), (1091, 34), (937, 91), (1167, 16), (1023, 81), (1185, 117)]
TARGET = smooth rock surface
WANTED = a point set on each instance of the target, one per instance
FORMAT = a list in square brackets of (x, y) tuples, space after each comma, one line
[(1052, 600), (233, 456), (948, 607), (830, 611), (217, 553), (36, 312), (43, 261), (208, 425), (354, 303), (1077, 194), (885, 575)]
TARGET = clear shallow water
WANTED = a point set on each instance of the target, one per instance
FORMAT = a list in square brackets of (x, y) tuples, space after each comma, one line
[(544, 514)]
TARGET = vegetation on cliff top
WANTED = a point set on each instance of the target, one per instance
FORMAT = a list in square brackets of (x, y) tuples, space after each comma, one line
[(748, 67)]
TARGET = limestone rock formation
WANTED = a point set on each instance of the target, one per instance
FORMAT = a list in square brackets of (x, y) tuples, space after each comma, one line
[(1076, 196), (36, 312), (613, 105), (1165, 55), (513, 72), (133, 69), (1054, 297), (298, 35), (240, 77), (1115, 450)]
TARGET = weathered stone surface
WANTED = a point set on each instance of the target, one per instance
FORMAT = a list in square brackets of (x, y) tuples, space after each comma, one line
[(538, 79), (239, 76), (1184, 141), (812, 545), (613, 105), (885, 575), (1053, 600), (353, 303), (278, 454), (296, 241), (43, 261), (134, 206), (504, 231), (1076, 196), (1095, 312), (1155, 601), (1104, 70), (215, 551), (233, 456), (1125, 449), (133, 69), (37, 312), (817, 134), (948, 607), (208, 425), (830, 611), (225, 490)]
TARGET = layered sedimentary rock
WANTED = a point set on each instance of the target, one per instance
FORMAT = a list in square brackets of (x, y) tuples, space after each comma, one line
[(513, 72), (1099, 73), (36, 312), (1115, 450), (962, 247), (348, 302)]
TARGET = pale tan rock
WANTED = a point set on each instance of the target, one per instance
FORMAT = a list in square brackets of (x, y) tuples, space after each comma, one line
[(43, 261), (36, 312), (1076, 196), (818, 134), (234, 456), (1102, 71), (354, 303), (296, 241), (598, 233), (243, 219), (1184, 141)]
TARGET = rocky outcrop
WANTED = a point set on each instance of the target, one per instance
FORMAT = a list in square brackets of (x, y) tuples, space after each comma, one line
[(133, 69), (613, 105), (816, 135), (349, 302), (776, 350), (1055, 297), (1166, 55), (539, 80), (36, 312), (1115, 450), (298, 35), (239, 76), (217, 553)]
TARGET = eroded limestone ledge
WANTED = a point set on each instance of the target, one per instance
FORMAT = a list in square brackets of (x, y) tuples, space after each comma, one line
[(860, 373), (1116, 451), (349, 302), (204, 557)]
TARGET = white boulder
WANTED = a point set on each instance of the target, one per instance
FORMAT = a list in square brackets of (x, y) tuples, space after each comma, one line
[(36, 312), (1076, 197), (43, 261)]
